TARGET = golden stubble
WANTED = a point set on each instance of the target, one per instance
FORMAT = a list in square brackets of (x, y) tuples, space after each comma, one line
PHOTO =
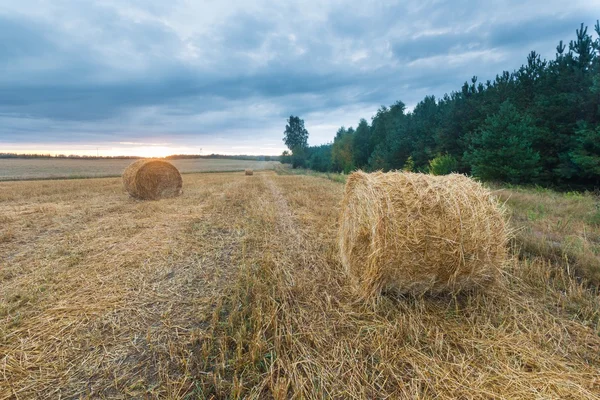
[(236, 290)]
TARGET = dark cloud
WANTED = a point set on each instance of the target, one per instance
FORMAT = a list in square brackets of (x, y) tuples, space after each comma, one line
[(530, 32), (410, 49), (499, 36), (127, 71)]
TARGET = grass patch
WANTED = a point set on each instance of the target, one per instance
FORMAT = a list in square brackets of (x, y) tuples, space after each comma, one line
[(562, 227), (332, 176)]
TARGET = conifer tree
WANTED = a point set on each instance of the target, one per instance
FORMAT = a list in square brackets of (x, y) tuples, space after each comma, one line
[(501, 150)]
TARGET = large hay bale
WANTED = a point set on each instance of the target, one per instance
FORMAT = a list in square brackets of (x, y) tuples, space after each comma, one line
[(249, 172), (415, 233), (150, 179)]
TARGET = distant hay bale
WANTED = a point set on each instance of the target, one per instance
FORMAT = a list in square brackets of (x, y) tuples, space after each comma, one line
[(249, 172), (152, 179), (405, 232)]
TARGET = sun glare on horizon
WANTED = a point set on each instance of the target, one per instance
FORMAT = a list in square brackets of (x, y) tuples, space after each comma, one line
[(102, 150), (153, 151)]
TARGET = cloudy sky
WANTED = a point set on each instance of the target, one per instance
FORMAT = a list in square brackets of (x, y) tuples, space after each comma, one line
[(152, 77)]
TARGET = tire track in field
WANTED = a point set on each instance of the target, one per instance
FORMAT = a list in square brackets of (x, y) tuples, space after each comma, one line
[(285, 220), (296, 284), (298, 248)]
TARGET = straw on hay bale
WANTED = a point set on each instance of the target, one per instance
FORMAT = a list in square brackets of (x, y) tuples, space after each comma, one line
[(150, 179), (414, 233), (249, 172)]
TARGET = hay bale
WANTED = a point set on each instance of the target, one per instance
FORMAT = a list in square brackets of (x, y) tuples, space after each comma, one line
[(152, 179), (415, 233), (249, 172)]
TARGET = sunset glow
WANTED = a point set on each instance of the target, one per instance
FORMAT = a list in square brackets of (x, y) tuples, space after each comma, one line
[(136, 149), (154, 151)]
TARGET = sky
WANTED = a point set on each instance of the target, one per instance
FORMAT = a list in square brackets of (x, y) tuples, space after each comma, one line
[(155, 77)]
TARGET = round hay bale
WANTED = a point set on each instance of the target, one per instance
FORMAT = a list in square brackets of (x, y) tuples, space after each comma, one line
[(152, 179), (405, 232), (249, 172)]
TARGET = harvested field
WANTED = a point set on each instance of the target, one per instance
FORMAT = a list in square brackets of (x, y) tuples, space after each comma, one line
[(26, 169), (235, 290)]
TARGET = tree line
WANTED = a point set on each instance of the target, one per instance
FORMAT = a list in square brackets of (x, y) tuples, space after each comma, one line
[(171, 157), (70, 156), (539, 124)]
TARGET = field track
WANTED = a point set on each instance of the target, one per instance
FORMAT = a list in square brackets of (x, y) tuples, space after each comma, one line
[(102, 296)]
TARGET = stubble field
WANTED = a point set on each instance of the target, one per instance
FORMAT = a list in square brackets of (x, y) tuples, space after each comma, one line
[(57, 168), (235, 290)]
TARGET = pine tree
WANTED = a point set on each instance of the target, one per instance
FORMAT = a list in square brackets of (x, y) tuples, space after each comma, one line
[(360, 144), (586, 153), (502, 150)]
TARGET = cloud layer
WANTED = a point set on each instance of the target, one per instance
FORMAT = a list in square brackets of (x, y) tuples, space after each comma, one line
[(223, 77)]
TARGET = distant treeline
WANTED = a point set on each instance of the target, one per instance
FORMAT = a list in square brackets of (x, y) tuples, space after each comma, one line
[(74, 156), (539, 124), (224, 157), (173, 157)]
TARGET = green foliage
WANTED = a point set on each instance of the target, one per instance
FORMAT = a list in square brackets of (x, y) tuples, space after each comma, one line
[(389, 127), (502, 148), (409, 165), (586, 152), (360, 144), (424, 121), (319, 158), (286, 157), (341, 151), (295, 135), (538, 124), (299, 157), (443, 164), (295, 138)]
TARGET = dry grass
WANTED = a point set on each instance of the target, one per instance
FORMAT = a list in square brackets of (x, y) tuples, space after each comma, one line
[(292, 327), (149, 179), (105, 297), (562, 227), (417, 233), (23, 169)]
